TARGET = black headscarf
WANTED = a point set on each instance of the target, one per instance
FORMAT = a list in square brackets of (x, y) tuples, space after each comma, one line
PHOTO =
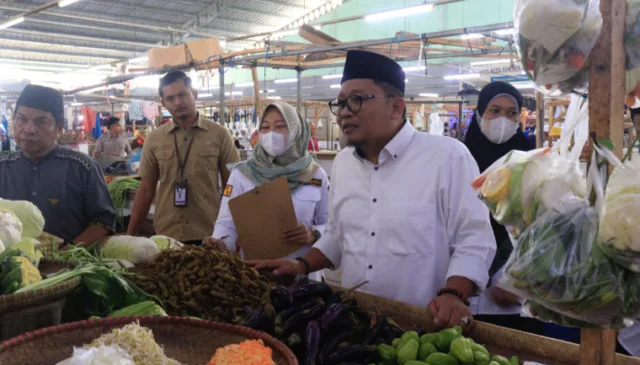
[(486, 153), (45, 99)]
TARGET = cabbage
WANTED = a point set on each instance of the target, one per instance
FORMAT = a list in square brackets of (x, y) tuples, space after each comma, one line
[(10, 228), (137, 250), (166, 243), (30, 216), (28, 248)]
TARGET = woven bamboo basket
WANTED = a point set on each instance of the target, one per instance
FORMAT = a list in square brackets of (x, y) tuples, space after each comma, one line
[(25, 300), (189, 341)]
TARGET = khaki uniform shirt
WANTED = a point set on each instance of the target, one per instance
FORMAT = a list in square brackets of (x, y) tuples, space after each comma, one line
[(211, 151), (113, 146)]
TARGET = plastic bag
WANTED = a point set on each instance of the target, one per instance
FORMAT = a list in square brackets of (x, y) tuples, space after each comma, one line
[(554, 39), (619, 228), (103, 355), (540, 312), (558, 265), (521, 186), (632, 50)]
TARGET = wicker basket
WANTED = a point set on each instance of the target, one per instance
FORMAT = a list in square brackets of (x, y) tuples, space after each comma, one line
[(190, 341)]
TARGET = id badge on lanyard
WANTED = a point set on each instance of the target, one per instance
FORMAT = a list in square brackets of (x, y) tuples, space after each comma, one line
[(181, 189)]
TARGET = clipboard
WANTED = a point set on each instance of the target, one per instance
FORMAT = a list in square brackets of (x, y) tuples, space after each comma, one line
[(260, 216)]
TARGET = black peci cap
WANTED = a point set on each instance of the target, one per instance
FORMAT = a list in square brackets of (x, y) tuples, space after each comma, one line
[(373, 66)]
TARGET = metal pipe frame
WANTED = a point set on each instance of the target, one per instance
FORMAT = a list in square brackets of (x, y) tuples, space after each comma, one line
[(221, 112)]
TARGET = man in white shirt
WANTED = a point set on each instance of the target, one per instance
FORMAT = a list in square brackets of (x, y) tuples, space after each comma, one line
[(402, 214)]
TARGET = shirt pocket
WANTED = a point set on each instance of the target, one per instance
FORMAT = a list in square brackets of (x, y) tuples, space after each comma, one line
[(164, 157), (412, 230), (305, 200), (206, 161)]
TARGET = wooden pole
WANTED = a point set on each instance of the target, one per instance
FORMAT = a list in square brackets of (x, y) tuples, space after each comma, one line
[(256, 90), (539, 119), (606, 103)]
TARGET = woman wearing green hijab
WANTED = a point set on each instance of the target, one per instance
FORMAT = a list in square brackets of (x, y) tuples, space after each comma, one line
[(281, 151)]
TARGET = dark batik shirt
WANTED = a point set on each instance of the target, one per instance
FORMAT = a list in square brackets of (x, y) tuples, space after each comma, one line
[(67, 186)]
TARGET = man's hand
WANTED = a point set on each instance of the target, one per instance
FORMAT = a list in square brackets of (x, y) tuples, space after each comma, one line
[(210, 241), (301, 235), (448, 310), (280, 267)]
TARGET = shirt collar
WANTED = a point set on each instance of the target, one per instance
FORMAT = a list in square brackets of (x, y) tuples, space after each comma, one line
[(199, 123), (396, 146)]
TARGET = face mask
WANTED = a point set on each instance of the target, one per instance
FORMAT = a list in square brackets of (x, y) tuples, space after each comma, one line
[(498, 130), (274, 144)]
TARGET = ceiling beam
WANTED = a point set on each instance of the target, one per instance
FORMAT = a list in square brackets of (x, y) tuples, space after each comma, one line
[(57, 34), (33, 52), (143, 8), (207, 15), (270, 14), (90, 27)]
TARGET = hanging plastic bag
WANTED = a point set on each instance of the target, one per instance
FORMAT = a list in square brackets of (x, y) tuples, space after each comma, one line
[(521, 186), (103, 355), (559, 264), (554, 39), (619, 228)]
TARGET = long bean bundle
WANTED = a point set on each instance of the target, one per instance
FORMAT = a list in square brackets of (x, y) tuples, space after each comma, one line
[(118, 191)]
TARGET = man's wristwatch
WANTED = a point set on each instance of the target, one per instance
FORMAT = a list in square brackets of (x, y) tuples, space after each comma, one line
[(316, 235), (307, 266), (453, 292)]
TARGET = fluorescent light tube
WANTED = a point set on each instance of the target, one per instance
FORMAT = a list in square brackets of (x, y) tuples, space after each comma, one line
[(462, 77), (269, 91), (471, 36), (505, 32), (139, 59), (206, 95), (429, 95), (413, 68), (64, 3), (492, 62), (12, 22), (285, 81), (234, 93), (274, 97), (335, 86), (244, 84), (525, 85), (330, 77), (413, 10)]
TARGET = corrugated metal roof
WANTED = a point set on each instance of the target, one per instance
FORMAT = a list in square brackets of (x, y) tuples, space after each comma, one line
[(115, 29)]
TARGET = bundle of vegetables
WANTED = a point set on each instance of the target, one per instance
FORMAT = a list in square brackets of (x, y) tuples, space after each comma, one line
[(130, 342), (554, 39), (521, 186), (16, 271), (619, 229), (202, 282), (118, 189), (146, 308), (558, 264), (322, 326), (447, 347), (104, 288)]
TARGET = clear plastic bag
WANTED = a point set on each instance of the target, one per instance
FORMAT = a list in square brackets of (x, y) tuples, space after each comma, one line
[(619, 224), (554, 39), (558, 265), (521, 186)]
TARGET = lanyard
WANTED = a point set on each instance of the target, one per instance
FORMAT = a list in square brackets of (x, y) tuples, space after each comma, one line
[(182, 165)]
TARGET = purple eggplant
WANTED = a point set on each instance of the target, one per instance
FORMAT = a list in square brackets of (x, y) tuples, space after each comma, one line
[(347, 353), (300, 318), (331, 345), (333, 312), (312, 343), (282, 316), (314, 290), (256, 319), (374, 331), (281, 297), (300, 281)]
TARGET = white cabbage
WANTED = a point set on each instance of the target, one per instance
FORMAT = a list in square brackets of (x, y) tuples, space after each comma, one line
[(30, 216), (10, 228), (166, 243), (137, 250)]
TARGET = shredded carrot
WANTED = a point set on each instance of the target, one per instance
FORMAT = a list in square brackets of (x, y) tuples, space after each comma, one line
[(250, 352)]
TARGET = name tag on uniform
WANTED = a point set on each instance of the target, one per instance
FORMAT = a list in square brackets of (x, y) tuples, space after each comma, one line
[(315, 182), (180, 194), (227, 191)]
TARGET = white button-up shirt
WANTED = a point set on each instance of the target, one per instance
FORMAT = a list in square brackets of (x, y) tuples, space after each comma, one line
[(409, 223), (630, 339), (310, 203)]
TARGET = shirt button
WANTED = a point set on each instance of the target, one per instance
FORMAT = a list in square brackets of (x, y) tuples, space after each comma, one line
[(395, 156), (375, 200), (375, 168), (33, 193), (34, 168), (370, 267), (373, 234)]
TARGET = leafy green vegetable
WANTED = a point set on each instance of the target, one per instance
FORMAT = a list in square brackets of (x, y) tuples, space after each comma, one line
[(118, 189), (30, 216)]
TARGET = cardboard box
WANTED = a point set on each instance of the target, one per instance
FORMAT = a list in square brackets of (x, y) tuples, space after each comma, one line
[(197, 50)]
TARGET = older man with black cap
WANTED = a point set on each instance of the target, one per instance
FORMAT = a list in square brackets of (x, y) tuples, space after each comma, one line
[(402, 214), (67, 186), (112, 144)]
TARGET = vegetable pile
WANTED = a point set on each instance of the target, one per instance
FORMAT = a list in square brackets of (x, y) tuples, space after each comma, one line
[(249, 352), (447, 347), (16, 271), (118, 189), (202, 282)]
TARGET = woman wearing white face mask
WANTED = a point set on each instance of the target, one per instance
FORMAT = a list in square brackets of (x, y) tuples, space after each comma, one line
[(281, 151), (494, 131)]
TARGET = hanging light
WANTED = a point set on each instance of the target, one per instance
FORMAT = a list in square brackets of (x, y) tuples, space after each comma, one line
[(312, 16), (316, 13), (306, 19), (323, 10)]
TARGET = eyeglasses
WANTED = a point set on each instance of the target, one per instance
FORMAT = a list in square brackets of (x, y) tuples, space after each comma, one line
[(353, 103)]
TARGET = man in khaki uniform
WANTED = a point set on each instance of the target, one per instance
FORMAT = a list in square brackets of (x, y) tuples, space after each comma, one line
[(182, 160), (112, 144)]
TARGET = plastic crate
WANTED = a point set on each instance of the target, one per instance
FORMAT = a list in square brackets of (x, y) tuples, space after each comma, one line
[(16, 323)]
